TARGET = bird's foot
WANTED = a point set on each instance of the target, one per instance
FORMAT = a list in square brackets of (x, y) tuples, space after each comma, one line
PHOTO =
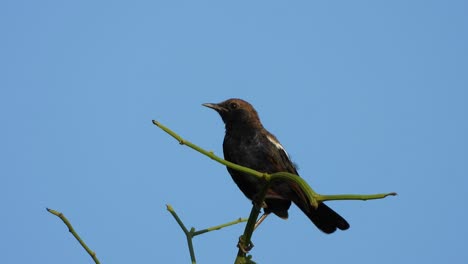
[(244, 248)]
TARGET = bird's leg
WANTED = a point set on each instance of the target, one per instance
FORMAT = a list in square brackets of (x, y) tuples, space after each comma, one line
[(260, 220)]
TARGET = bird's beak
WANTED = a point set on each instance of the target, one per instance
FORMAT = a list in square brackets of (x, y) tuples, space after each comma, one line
[(216, 107)]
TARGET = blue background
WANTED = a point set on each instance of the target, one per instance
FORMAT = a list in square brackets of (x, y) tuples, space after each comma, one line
[(366, 96)]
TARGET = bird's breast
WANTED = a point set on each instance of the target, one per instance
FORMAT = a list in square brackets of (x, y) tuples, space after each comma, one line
[(246, 151)]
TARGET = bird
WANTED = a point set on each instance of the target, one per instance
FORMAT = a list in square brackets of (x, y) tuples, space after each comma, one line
[(249, 144)]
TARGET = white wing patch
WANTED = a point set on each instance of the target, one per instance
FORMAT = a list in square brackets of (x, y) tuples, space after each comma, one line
[(277, 144)]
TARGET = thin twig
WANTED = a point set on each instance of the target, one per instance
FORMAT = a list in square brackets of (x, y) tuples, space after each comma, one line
[(218, 227), (190, 234), (362, 197), (72, 230)]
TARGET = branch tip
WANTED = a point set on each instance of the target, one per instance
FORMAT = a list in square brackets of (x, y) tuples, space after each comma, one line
[(62, 217)]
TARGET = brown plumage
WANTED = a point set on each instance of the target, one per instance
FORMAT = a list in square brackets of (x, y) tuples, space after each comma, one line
[(249, 144)]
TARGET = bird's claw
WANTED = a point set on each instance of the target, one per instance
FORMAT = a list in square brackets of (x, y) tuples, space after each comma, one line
[(244, 249)]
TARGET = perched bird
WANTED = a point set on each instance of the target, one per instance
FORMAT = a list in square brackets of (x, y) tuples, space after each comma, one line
[(249, 144)]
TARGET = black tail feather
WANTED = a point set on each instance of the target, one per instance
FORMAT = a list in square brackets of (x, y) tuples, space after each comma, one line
[(325, 218)]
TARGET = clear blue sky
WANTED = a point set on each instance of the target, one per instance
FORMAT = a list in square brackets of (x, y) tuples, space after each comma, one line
[(367, 96)]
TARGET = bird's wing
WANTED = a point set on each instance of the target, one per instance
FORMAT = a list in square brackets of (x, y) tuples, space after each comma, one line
[(283, 163), (280, 157)]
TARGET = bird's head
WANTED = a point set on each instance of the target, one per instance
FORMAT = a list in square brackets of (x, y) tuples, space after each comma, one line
[(236, 114)]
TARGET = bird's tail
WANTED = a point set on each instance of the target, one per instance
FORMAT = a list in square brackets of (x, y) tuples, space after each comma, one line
[(324, 217)]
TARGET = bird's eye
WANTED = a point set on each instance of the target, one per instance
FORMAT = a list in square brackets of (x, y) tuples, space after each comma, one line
[(233, 105)]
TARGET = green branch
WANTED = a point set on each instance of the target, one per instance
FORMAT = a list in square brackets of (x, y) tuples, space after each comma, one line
[(210, 154), (72, 230), (313, 197), (361, 197), (190, 234), (218, 227)]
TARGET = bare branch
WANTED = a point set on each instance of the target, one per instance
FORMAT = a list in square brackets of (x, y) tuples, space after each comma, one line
[(72, 230)]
